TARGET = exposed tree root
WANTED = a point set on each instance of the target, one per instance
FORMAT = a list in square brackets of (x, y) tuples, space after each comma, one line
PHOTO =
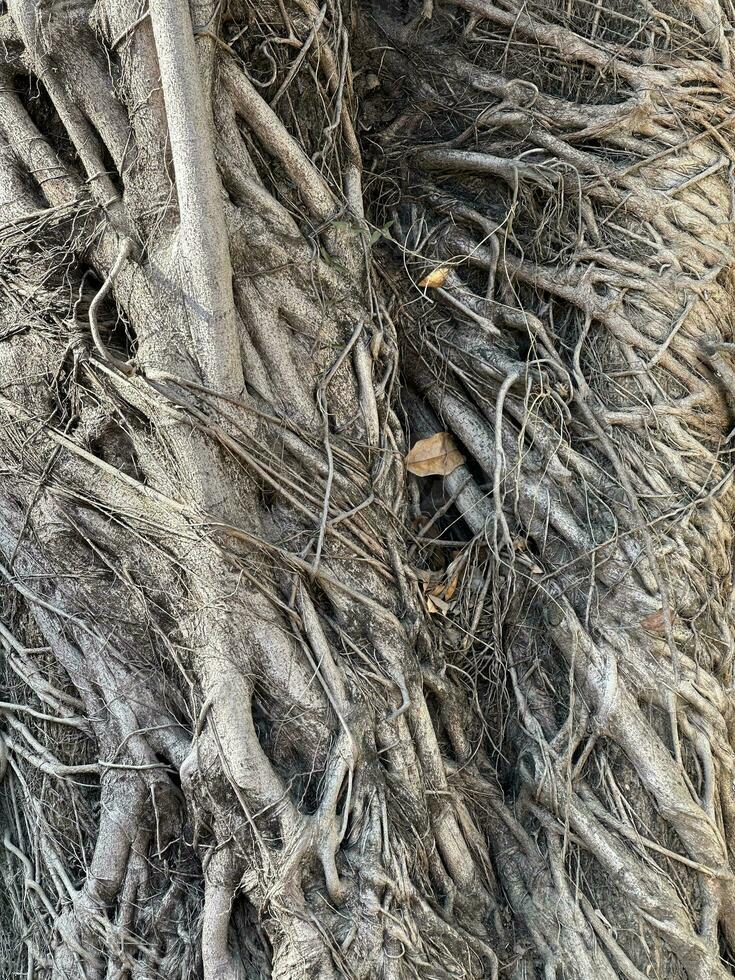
[(218, 408), (245, 731), (579, 352)]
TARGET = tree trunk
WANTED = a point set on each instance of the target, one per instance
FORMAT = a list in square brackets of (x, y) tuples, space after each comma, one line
[(271, 705)]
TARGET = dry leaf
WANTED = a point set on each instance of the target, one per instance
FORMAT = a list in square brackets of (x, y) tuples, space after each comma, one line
[(436, 278), (445, 591), (654, 622), (436, 456), (451, 588), (428, 579), (436, 605)]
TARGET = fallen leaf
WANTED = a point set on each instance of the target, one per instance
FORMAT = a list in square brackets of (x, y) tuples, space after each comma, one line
[(444, 590), (436, 605), (428, 578), (451, 588), (654, 622), (436, 456), (436, 278)]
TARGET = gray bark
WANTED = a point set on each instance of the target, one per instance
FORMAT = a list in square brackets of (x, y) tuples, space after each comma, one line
[(270, 705)]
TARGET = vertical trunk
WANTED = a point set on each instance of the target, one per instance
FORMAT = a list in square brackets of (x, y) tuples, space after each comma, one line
[(206, 544), (202, 247)]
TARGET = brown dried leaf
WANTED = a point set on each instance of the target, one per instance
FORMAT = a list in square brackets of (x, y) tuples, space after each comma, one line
[(436, 605), (436, 278), (436, 456), (449, 590)]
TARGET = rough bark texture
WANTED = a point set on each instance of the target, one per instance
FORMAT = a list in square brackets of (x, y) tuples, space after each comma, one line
[(270, 706), (571, 170)]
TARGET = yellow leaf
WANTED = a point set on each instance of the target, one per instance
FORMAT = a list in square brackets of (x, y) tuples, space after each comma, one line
[(444, 590), (451, 588), (436, 456), (436, 278)]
